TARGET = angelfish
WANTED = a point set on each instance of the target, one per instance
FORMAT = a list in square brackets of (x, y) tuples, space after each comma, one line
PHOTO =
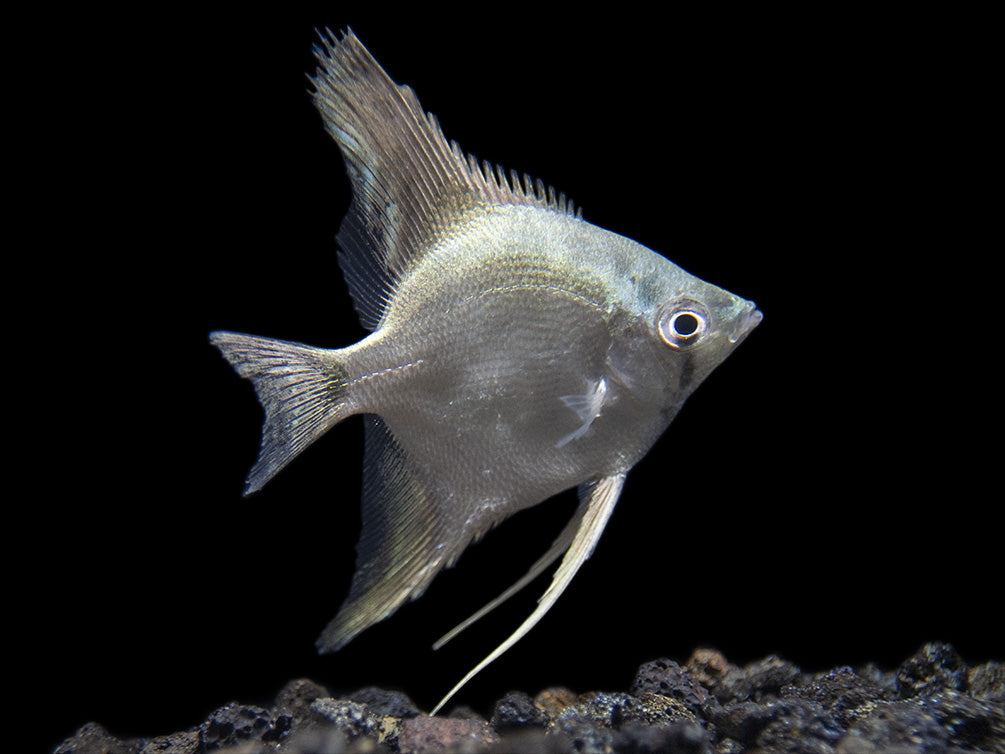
[(515, 351)]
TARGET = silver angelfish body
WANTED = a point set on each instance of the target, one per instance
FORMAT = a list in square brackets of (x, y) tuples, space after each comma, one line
[(516, 351)]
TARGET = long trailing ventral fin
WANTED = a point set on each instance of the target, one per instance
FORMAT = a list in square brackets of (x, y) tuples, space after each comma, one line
[(409, 185), (601, 498), (560, 545)]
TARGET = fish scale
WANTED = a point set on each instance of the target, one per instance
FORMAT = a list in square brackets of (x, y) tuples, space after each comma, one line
[(516, 351)]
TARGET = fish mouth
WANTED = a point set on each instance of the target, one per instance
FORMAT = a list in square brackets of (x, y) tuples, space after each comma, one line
[(749, 318)]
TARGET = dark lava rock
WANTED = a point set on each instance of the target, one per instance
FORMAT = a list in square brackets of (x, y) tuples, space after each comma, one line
[(707, 666), (295, 697), (678, 738), (970, 723), (517, 710), (531, 741), (756, 680), (429, 735), (605, 722), (554, 699), (614, 710), (352, 719), (804, 727), (782, 725), (987, 681), (667, 678), (896, 724), (932, 668), (386, 703), (186, 742), (842, 692), (933, 702), (885, 680), (91, 738), (581, 736), (235, 723)]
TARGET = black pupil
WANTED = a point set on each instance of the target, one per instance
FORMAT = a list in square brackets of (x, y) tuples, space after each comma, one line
[(685, 324)]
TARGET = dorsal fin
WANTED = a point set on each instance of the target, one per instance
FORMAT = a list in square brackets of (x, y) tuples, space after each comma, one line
[(409, 185)]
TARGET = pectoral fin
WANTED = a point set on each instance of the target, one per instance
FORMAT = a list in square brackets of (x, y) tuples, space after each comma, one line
[(600, 499), (587, 408)]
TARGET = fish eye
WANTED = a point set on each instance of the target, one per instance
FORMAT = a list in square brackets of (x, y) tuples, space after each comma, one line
[(682, 324)]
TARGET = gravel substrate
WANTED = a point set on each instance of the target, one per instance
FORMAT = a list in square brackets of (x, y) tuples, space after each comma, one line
[(933, 702)]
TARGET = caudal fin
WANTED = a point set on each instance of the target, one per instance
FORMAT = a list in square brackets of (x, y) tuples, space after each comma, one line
[(302, 389)]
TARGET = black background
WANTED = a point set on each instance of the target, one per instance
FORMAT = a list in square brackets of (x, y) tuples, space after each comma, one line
[(819, 497)]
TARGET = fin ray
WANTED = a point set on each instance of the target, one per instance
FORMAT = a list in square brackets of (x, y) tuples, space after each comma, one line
[(304, 391), (409, 184), (401, 546), (587, 408)]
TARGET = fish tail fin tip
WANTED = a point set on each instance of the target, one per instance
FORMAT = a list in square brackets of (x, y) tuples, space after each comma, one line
[(304, 391)]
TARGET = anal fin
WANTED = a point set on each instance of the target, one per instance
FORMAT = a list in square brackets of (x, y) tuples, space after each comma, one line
[(600, 499), (400, 548)]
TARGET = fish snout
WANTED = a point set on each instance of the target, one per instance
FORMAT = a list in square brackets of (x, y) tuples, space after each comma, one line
[(749, 318)]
